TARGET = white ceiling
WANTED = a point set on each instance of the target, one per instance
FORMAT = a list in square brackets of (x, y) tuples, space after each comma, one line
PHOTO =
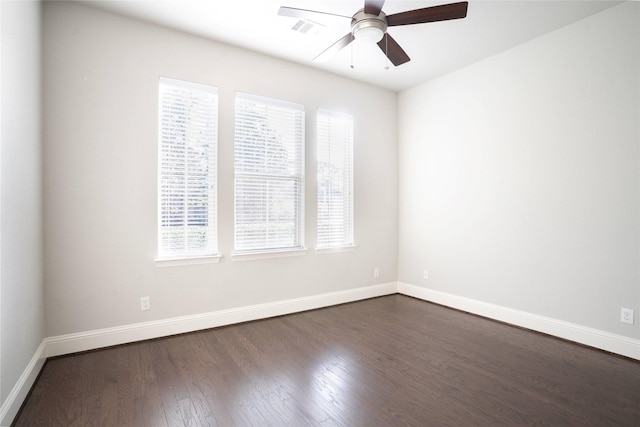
[(435, 48)]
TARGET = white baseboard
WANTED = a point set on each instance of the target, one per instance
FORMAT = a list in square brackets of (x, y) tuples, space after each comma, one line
[(12, 403), (89, 340), (613, 343)]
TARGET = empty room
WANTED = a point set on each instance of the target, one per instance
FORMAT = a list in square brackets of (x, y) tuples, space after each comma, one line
[(317, 212)]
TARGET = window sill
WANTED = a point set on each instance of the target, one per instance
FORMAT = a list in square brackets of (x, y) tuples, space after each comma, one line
[(268, 254), (339, 249), (174, 262)]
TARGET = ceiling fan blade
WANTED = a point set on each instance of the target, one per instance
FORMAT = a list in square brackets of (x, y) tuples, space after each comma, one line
[(311, 15), (392, 49), (442, 12), (334, 48), (373, 7)]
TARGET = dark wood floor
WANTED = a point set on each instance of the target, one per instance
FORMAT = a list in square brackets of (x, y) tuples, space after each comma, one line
[(386, 361)]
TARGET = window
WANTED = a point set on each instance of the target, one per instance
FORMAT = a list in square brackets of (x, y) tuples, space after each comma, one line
[(187, 132), (335, 180), (269, 175)]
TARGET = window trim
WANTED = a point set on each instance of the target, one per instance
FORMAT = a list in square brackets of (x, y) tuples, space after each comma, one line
[(347, 245), (187, 257), (174, 262), (299, 179), (336, 249)]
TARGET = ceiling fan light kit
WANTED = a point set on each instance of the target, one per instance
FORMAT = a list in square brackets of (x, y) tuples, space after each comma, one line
[(367, 27), (370, 24)]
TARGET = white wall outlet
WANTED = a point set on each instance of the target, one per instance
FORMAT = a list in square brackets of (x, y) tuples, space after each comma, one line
[(376, 272), (145, 303), (425, 274), (626, 315)]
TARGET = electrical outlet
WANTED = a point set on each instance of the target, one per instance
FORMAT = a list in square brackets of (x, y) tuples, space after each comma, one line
[(145, 303), (626, 315), (376, 272), (425, 274)]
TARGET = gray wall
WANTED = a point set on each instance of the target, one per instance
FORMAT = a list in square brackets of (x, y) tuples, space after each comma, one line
[(21, 296), (519, 176), (101, 76)]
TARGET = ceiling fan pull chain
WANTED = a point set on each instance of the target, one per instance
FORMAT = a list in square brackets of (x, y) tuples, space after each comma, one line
[(386, 52), (352, 67)]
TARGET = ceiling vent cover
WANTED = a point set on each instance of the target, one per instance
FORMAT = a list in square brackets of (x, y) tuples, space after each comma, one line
[(307, 27)]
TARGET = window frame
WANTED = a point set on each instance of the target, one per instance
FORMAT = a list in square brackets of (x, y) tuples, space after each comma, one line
[(202, 100), (272, 111), (340, 142)]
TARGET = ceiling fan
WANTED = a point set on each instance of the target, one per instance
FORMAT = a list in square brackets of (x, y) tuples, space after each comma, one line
[(371, 23)]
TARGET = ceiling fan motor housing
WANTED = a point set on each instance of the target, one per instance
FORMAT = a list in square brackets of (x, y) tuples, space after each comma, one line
[(372, 27), (369, 27)]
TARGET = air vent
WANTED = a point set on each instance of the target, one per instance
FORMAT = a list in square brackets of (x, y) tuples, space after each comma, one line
[(307, 27)]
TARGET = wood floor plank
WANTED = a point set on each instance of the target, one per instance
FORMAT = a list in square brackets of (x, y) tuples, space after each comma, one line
[(385, 361)]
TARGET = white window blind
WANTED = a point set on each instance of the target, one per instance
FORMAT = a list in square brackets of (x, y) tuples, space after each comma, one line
[(335, 179), (188, 138), (269, 174)]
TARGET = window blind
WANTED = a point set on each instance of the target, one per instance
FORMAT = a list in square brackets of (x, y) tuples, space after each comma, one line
[(269, 174), (187, 205), (335, 179)]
